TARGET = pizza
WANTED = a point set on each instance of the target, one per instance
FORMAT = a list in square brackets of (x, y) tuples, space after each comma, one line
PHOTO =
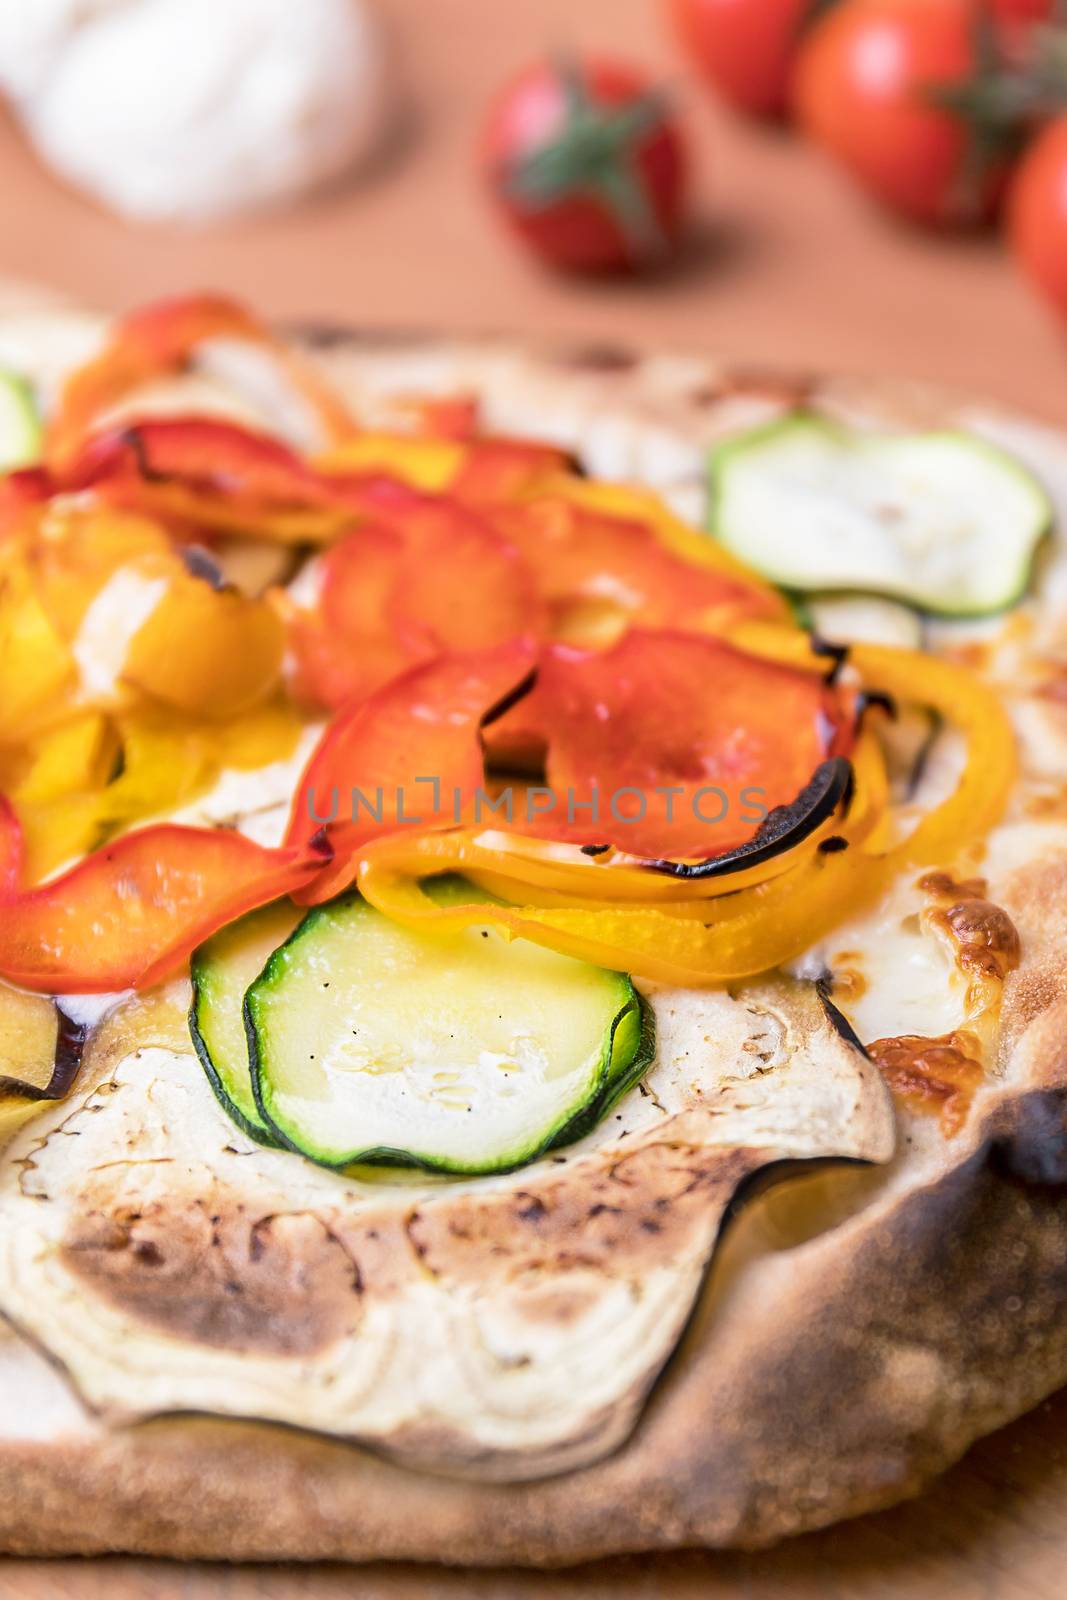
[(533, 944)]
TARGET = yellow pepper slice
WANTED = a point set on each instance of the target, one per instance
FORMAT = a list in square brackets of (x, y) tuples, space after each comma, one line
[(564, 870), (773, 922), (36, 667), (427, 464), (207, 652), (75, 755)]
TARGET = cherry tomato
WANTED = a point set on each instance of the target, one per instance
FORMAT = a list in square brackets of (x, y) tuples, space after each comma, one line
[(873, 83), (1017, 22), (744, 47), (587, 166), (1022, 13), (1037, 212)]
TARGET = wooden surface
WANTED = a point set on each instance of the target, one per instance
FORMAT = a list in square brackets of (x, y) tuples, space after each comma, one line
[(787, 267)]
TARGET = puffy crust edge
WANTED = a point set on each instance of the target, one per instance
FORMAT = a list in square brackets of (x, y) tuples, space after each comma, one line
[(931, 1322)]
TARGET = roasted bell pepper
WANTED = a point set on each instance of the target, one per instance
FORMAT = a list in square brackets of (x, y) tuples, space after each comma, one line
[(204, 473), (36, 664), (19, 491), (76, 552), (480, 472), (668, 744), (430, 578), (651, 511), (209, 652), (775, 921), (410, 756), (495, 470), (599, 572), (463, 586), (193, 646), (75, 794), (74, 755), (162, 339), (131, 913)]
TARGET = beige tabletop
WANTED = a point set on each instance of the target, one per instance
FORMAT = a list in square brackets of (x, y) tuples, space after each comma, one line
[(787, 266)]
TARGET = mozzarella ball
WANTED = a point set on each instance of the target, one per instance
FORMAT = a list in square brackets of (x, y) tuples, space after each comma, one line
[(192, 110)]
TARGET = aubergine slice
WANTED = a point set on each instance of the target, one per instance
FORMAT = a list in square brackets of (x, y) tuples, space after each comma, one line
[(947, 522), (222, 970), (461, 1053), (40, 1054)]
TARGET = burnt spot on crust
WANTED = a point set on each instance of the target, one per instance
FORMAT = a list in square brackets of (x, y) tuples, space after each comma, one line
[(206, 1271), (986, 936), (943, 886), (932, 1076), (646, 1208), (1030, 1142)]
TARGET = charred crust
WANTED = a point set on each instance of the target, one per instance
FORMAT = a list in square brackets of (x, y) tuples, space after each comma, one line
[(1030, 1141)]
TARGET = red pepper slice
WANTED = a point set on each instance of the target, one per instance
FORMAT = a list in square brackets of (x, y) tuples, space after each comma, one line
[(684, 743), (29, 486), (129, 914), (160, 339), (463, 587), (596, 570), (214, 474), (495, 470), (446, 416), (412, 751), (345, 649), (433, 578)]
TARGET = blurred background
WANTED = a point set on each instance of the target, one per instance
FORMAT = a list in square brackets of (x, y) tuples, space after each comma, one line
[(785, 260)]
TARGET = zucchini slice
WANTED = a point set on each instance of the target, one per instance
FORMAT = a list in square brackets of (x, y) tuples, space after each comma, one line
[(222, 970), (944, 521), (20, 424), (460, 1053), (865, 619)]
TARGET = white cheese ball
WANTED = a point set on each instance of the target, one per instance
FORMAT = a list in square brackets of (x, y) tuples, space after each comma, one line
[(191, 110)]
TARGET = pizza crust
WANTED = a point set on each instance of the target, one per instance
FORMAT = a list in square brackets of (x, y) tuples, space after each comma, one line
[(857, 1331)]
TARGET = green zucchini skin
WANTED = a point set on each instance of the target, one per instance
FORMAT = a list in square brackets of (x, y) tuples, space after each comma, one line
[(225, 1060), (827, 434), (21, 434), (629, 1048)]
